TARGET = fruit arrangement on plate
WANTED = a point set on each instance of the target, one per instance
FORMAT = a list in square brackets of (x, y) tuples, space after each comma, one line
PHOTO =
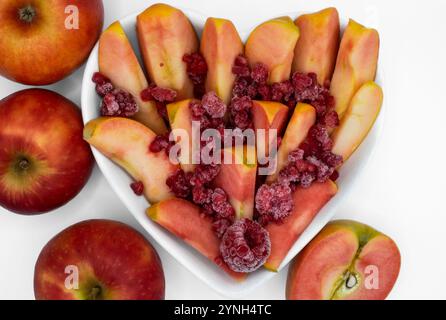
[(311, 91)]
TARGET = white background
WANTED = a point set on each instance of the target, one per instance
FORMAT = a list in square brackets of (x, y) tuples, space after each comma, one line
[(402, 193)]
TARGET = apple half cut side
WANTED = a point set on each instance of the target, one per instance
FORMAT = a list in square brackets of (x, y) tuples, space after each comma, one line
[(358, 120), (184, 219), (118, 62), (347, 260), (356, 64), (307, 204), (220, 45), (127, 142), (272, 43), (165, 35)]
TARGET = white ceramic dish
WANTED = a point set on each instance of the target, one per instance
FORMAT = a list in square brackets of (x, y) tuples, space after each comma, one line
[(192, 260)]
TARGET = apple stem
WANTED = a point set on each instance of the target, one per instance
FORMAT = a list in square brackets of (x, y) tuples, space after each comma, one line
[(27, 14)]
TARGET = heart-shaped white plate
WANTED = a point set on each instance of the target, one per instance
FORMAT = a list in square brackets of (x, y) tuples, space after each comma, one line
[(191, 259)]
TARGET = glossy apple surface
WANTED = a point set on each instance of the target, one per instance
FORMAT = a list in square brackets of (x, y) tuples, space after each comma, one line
[(99, 260), (43, 41), (44, 162)]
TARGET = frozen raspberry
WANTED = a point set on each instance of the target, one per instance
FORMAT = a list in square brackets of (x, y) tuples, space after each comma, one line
[(330, 119), (333, 160), (162, 110), (99, 78), (204, 174), (196, 67), (245, 246), (221, 205), (335, 176), (259, 73), (296, 155), (220, 226), (165, 95), (160, 143), (240, 88), (146, 94), (307, 179), (213, 105), (104, 88), (241, 104), (138, 188), (197, 109), (179, 184), (119, 103), (241, 66), (264, 92), (282, 91), (201, 195), (275, 202), (242, 120)]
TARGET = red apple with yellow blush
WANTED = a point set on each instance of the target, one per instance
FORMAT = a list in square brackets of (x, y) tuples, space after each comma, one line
[(43, 41), (44, 161)]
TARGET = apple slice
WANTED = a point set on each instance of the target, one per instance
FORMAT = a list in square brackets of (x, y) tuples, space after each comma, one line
[(268, 116), (180, 118), (272, 43), (307, 204), (347, 260), (356, 64), (165, 35), (317, 48), (127, 142), (220, 45), (303, 118), (184, 220), (118, 62), (238, 179), (358, 120)]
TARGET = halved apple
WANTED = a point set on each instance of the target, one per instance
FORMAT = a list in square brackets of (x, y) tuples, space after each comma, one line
[(268, 115), (303, 118), (180, 118), (118, 62), (220, 45), (317, 48), (272, 43), (238, 179), (358, 120), (356, 64), (165, 35), (307, 204), (184, 220), (346, 261), (127, 142)]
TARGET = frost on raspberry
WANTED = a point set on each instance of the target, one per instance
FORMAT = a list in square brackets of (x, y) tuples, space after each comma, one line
[(179, 184), (274, 202), (213, 105), (119, 103), (245, 246)]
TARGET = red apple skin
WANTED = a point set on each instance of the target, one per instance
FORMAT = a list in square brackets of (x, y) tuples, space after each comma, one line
[(44, 129), (108, 254), (44, 51)]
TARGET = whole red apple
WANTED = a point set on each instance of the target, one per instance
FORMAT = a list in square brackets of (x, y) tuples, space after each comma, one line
[(44, 161), (99, 260), (43, 41)]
